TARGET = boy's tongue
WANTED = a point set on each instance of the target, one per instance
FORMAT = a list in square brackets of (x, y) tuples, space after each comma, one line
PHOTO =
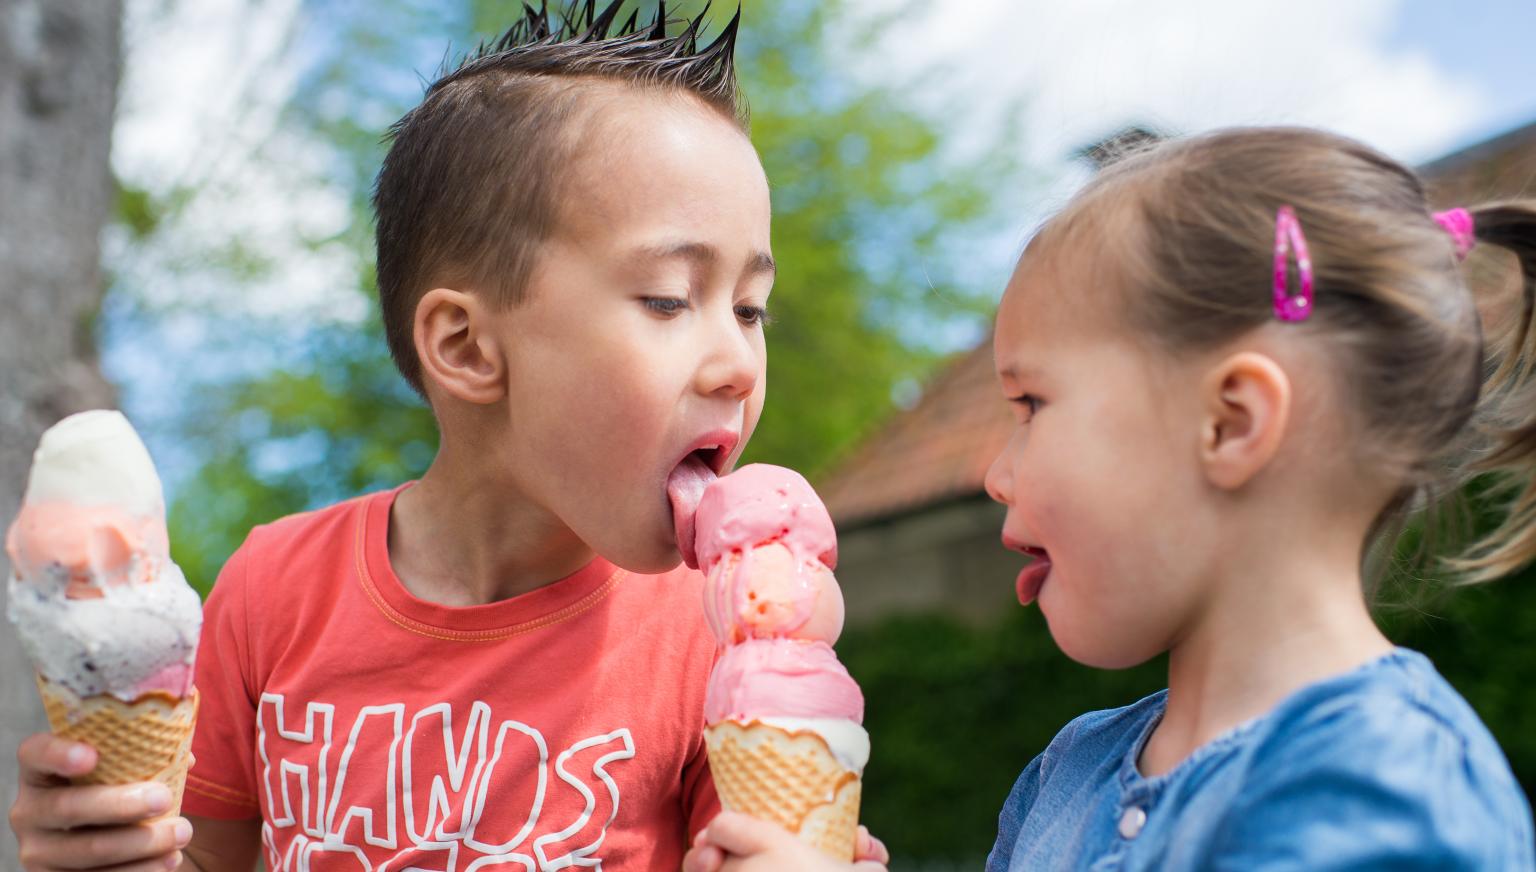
[(685, 487)]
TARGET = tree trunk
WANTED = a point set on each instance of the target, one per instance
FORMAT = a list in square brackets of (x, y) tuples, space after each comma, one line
[(59, 66)]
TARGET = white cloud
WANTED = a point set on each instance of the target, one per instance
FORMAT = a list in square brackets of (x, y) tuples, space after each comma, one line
[(1087, 67), (201, 80), (1080, 71)]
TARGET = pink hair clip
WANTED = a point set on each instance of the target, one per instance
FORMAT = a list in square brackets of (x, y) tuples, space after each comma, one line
[(1288, 238), (1458, 223)]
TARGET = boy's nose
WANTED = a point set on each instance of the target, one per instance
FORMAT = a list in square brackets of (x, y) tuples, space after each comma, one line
[(732, 368)]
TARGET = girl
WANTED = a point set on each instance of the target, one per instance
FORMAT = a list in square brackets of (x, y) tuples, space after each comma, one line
[(1238, 363)]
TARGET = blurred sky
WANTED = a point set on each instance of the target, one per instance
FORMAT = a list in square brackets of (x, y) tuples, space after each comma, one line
[(204, 81), (1488, 42), (1414, 77)]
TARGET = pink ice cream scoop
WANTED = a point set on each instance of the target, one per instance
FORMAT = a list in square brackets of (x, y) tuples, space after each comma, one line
[(760, 503), (768, 545), (783, 678)]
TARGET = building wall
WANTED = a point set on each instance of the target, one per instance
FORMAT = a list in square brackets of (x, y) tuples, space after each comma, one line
[(948, 556)]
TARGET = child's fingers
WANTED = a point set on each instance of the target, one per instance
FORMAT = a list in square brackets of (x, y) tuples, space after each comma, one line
[(736, 833), (154, 864), (106, 846), (100, 805), (703, 858), (43, 758), (867, 847)]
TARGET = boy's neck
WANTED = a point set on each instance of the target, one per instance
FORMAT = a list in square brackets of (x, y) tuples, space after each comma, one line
[(457, 540), (1277, 626)]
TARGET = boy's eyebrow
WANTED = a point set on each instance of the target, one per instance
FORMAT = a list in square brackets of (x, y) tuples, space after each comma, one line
[(705, 254)]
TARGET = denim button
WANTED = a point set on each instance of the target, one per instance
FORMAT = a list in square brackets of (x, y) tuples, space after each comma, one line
[(1132, 821)]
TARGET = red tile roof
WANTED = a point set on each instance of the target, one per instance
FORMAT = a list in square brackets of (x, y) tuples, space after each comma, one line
[(937, 450)]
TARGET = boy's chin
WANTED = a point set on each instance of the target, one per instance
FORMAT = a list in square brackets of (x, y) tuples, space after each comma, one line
[(645, 561)]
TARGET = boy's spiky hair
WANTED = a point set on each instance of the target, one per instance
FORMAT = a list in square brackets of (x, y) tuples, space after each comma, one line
[(472, 184), (594, 45)]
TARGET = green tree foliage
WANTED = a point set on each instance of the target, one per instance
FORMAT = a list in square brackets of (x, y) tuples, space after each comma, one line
[(869, 210)]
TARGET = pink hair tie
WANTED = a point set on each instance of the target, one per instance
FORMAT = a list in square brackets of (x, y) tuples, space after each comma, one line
[(1458, 223), (1288, 238)]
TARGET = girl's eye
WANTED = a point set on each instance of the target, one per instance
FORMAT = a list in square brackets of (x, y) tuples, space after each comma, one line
[(665, 305), (754, 315), (1028, 402)]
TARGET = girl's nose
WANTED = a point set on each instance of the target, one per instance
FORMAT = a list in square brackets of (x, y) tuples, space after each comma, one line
[(999, 479)]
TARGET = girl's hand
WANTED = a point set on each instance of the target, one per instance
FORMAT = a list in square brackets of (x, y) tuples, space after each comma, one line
[(734, 842)]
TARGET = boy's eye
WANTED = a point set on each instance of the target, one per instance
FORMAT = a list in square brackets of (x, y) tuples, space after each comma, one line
[(1028, 402), (665, 305), (754, 315)]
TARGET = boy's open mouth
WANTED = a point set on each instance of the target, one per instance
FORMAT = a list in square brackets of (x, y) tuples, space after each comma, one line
[(703, 463)]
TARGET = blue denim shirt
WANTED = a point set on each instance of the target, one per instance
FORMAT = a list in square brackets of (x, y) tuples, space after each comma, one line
[(1384, 767)]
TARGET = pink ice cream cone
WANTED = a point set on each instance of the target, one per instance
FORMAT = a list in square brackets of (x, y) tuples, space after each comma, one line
[(784, 718)]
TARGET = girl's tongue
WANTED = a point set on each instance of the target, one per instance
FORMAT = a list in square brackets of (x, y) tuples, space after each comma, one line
[(685, 487)]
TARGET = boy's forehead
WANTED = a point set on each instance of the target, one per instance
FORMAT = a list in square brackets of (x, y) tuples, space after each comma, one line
[(635, 135), (658, 158)]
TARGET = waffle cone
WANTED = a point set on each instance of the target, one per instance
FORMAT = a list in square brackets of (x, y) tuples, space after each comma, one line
[(149, 739), (789, 778)]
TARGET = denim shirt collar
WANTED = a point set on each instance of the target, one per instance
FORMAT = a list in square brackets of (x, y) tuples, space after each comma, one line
[(1136, 787)]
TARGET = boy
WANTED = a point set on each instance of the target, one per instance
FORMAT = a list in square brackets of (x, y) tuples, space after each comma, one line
[(573, 259)]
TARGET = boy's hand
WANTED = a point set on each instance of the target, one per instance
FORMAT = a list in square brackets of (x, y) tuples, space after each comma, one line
[(734, 842), (61, 826)]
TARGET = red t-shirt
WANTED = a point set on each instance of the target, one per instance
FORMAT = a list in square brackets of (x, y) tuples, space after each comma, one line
[(372, 730)]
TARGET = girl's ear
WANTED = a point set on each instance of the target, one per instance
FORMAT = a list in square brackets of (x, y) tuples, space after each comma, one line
[(459, 352), (1246, 402)]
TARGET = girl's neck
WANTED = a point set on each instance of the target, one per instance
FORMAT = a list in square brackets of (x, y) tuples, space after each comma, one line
[(1271, 628)]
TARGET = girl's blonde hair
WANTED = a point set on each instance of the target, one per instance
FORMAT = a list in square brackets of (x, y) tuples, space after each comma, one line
[(1189, 228)]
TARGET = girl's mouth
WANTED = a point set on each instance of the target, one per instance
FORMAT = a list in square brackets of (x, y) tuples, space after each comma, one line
[(1032, 577)]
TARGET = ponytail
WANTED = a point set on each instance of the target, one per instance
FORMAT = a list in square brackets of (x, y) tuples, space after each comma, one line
[(1505, 419)]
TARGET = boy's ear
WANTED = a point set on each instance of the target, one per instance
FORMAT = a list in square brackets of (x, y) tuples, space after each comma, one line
[(1246, 402), (458, 352)]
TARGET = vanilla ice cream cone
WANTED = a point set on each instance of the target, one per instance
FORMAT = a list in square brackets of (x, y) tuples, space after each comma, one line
[(106, 617), (149, 739)]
